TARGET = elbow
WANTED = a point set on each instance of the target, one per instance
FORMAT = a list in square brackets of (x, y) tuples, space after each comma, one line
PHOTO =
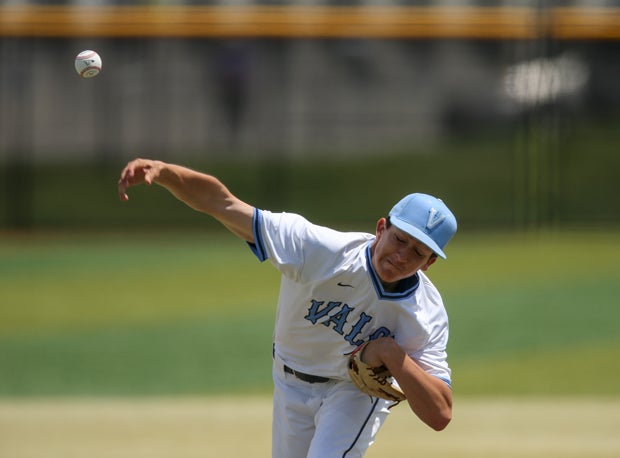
[(443, 414), (441, 423), (438, 419)]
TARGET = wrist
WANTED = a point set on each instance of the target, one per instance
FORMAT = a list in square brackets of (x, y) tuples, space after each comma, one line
[(377, 352), (161, 173)]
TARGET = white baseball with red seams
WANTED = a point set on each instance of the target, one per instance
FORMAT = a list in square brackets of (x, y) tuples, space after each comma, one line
[(88, 64)]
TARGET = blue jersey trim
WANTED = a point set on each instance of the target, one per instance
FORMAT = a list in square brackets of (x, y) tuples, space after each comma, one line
[(258, 247), (406, 287)]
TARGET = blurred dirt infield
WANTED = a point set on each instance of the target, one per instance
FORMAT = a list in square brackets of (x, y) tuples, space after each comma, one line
[(240, 427)]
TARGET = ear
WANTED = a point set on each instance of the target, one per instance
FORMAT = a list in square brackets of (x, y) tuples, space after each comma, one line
[(381, 227), (429, 263)]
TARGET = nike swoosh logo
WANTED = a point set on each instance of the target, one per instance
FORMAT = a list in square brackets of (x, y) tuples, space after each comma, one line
[(345, 285)]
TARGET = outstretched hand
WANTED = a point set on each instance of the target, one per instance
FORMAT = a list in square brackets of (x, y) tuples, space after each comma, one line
[(137, 172)]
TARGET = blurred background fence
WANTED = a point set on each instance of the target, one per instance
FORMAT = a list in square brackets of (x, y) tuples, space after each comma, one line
[(507, 109)]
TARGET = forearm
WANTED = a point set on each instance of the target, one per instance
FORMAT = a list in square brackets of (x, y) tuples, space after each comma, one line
[(207, 194), (200, 191), (429, 397)]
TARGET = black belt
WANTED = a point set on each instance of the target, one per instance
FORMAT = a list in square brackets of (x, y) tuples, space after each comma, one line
[(305, 377)]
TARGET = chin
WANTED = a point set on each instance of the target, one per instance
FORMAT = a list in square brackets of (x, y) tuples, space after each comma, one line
[(390, 276)]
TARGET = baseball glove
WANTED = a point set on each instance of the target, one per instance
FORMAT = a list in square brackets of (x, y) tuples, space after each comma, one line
[(374, 381)]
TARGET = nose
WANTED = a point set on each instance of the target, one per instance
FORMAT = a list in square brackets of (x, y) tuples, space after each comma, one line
[(402, 255)]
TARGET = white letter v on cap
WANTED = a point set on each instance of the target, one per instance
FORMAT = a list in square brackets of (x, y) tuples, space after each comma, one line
[(434, 219)]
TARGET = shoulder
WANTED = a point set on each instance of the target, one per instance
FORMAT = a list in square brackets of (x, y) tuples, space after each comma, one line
[(296, 228), (302, 249), (429, 298)]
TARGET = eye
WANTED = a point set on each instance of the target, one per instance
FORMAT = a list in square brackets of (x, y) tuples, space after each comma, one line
[(399, 239)]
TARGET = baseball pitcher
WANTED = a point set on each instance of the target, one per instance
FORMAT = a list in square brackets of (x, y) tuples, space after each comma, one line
[(359, 326)]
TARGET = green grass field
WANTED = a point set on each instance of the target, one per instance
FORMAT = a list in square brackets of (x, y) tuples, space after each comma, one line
[(152, 314)]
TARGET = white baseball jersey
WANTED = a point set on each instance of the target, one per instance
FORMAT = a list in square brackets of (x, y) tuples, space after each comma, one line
[(331, 299)]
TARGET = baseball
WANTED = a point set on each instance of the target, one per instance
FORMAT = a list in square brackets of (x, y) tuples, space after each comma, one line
[(88, 64)]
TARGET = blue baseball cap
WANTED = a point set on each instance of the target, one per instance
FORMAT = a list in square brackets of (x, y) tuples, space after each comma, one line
[(425, 218)]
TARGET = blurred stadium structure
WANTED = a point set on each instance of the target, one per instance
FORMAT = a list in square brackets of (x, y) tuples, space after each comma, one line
[(242, 78)]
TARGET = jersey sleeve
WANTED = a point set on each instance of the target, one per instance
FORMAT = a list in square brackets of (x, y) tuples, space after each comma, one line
[(301, 250), (281, 238), (433, 359), (433, 356), (258, 247)]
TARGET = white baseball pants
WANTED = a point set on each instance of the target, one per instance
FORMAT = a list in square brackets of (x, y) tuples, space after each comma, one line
[(322, 420)]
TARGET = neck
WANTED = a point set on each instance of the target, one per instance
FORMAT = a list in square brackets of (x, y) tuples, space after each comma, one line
[(390, 287)]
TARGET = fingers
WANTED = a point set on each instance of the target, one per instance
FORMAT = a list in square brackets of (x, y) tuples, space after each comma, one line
[(148, 175), (122, 191), (124, 182), (134, 173)]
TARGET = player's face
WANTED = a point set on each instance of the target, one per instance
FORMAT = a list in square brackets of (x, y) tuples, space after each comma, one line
[(397, 255)]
